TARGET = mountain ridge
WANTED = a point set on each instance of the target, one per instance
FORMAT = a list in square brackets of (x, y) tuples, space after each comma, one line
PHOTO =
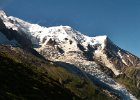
[(64, 44)]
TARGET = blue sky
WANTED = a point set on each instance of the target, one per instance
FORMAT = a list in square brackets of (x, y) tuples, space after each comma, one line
[(119, 19)]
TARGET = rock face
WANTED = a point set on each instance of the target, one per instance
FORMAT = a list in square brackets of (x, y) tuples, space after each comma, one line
[(25, 76), (121, 57), (13, 35), (97, 56)]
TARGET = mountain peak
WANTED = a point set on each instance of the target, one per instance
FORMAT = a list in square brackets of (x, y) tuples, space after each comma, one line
[(102, 37), (2, 14), (102, 40)]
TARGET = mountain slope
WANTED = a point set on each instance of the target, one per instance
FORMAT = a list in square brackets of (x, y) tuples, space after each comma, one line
[(103, 61), (26, 77)]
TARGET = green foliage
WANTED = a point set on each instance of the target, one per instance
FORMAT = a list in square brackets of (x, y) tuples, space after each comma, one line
[(129, 81)]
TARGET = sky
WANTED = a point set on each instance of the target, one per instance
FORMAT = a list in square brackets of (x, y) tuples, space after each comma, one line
[(118, 19)]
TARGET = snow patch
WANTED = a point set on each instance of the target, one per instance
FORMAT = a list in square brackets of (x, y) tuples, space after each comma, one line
[(120, 55), (101, 40)]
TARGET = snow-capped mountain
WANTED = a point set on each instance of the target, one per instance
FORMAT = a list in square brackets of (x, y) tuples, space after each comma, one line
[(63, 44)]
